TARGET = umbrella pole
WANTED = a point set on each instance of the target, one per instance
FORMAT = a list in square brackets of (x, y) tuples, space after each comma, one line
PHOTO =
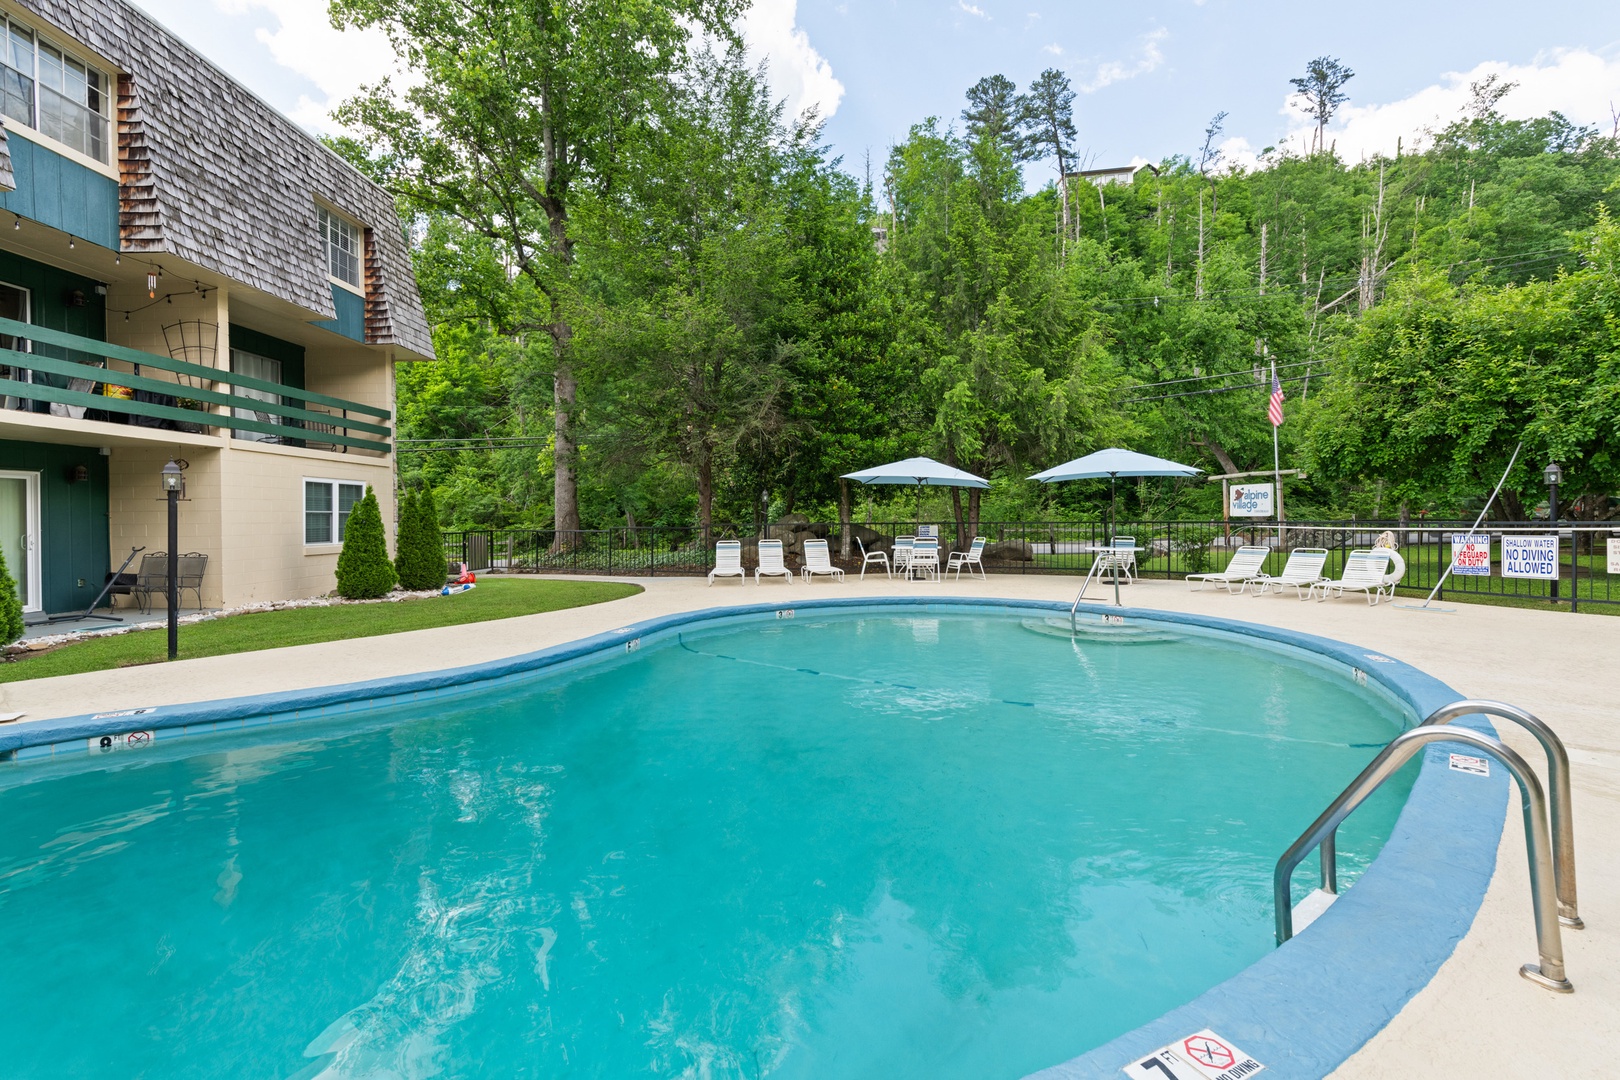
[(1113, 497)]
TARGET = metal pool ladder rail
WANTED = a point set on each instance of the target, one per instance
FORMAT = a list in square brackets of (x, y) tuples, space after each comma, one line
[(1563, 825), (1552, 886)]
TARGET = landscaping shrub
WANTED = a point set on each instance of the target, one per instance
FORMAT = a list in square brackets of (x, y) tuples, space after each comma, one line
[(11, 619), (1194, 546), (364, 570), (419, 554)]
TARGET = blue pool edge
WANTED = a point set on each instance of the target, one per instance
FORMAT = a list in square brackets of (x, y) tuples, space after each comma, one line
[(1301, 1010)]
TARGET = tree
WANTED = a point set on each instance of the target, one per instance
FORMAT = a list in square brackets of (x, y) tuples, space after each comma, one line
[(995, 113), (419, 548), (522, 108), (1438, 384), (684, 324), (11, 616), (364, 571), (1048, 111), (1322, 87)]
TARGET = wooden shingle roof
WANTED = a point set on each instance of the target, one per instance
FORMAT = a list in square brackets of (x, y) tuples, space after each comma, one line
[(212, 174)]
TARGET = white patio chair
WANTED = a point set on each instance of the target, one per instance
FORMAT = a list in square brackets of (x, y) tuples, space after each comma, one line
[(1246, 565), (770, 562), (1304, 569), (818, 560), (972, 558), (873, 558), (1124, 554), (902, 552), (728, 561), (924, 561), (1365, 572)]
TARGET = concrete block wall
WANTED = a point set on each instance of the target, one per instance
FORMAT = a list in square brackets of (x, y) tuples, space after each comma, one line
[(138, 511), (262, 498)]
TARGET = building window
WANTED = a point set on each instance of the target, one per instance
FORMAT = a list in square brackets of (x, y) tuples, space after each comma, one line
[(51, 91), (327, 504), (342, 242)]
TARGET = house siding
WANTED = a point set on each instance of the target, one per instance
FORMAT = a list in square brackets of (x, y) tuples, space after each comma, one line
[(73, 520), (351, 314), (60, 193)]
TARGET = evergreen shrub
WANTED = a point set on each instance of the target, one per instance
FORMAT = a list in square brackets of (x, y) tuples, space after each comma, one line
[(364, 571), (420, 550), (11, 618)]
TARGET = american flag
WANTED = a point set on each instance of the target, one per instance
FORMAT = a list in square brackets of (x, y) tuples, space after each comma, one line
[(1274, 410)]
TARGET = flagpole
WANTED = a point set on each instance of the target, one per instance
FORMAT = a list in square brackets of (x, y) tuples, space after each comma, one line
[(1276, 468)]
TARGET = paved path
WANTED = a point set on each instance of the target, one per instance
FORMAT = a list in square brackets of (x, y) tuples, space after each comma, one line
[(1476, 1019)]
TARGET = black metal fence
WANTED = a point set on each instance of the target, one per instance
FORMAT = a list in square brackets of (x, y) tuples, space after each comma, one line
[(1169, 549)]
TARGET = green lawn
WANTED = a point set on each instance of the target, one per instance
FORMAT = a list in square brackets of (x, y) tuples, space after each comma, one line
[(494, 598)]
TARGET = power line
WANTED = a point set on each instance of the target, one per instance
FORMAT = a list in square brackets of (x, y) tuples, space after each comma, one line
[(1205, 378), (1223, 389)]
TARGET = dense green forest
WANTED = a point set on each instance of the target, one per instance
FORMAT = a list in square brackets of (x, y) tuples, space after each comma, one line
[(659, 300)]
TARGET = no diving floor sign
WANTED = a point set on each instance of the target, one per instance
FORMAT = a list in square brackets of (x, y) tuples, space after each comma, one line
[(1202, 1055)]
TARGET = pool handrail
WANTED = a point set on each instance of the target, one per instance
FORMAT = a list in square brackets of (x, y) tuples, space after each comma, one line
[(1563, 821), (1549, 942)]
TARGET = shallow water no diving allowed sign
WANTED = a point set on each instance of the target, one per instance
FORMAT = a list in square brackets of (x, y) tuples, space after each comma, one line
[(1202, 1055)]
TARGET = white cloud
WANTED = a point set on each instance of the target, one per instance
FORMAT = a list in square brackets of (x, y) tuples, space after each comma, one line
[(1238, 153), (338, 62), (1579, 83), (798, 73), (971, 9), (1148, 59), (1055, 50)]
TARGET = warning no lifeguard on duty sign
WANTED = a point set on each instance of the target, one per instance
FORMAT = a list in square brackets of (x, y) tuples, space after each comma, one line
[(1202, 1055)]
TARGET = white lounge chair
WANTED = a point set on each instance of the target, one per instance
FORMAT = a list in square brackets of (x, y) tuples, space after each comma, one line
[(873, 558), (1365, 572), (728, 561), (971, 558), (1304, 569), (924, 559), (770, 562), (1245, 567), (818, 560)]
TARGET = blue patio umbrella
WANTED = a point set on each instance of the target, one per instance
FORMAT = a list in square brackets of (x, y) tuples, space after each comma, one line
[(1114, 463), (920, 471)]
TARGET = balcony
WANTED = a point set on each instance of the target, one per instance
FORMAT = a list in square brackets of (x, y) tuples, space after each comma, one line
[(77, 375)]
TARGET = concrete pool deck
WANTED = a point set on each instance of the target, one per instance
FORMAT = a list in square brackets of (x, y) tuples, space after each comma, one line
[(1476, 1018)]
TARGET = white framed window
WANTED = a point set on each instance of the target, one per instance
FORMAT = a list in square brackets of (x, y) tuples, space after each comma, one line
[(342, 241), (327, 505), (54, 92)]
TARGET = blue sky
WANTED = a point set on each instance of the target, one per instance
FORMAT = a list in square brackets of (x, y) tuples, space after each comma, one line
[(1151, 74)]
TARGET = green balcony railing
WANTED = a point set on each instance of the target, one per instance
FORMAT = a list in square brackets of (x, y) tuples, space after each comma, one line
[(304, 415)]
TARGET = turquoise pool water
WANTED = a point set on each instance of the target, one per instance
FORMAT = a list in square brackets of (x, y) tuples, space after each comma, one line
[(947, 846)]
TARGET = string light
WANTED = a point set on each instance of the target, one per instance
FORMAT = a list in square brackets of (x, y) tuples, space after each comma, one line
[(16, 222), (71, 244)]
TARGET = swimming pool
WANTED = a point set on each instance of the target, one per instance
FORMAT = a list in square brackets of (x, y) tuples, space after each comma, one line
[(915, 843)]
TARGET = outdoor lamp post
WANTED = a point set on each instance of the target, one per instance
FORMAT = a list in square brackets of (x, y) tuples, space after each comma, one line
[(174, 486), (1554, 476)]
